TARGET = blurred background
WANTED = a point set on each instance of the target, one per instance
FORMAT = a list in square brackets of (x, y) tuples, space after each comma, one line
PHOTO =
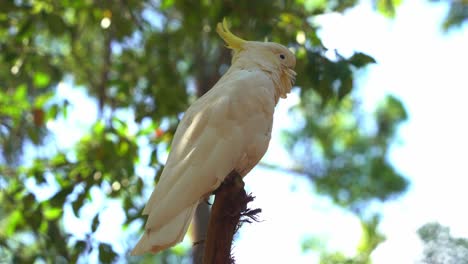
[(367, 163)]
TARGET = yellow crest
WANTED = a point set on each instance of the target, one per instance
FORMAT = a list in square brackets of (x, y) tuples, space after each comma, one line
[(233, 41)]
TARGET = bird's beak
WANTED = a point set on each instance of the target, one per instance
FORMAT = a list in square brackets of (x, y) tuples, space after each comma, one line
[(232, 41)]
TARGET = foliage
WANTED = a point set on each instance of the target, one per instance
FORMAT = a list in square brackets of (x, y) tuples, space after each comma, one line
[(370, 239), (151, 58), (457, 14), (387, 7), (440, 247), (343, 159)]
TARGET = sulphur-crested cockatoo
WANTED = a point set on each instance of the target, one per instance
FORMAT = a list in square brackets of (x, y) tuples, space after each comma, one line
[(227, 129)]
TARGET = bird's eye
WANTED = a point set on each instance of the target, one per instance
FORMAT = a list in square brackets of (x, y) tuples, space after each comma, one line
[(282, 56)]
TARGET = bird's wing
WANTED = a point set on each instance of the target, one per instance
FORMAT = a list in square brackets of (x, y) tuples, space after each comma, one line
[(214, 136)]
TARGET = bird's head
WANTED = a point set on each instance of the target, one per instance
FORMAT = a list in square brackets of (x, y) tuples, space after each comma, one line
[(271, 57)]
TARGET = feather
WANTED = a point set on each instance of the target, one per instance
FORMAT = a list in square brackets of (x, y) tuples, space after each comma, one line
[(167, 236), (200, 165)]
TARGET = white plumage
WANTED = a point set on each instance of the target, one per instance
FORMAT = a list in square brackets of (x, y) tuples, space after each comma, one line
[(227, 129)]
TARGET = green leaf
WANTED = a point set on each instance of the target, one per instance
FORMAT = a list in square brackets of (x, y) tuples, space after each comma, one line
[(154, 157), (59, 198), (53, 213), (81, 245), (360, 59), (167, 4), (78, 203), (388, 7), (20, 93), (65, 105), (35, 219), (95, 223), (345, 87), (41, 79), (14, 220), (106, 254), (128, 203), (52, 112), (139, 185), (42, 99), (29, 200), (59, 160), (99, 127), (79, 249)]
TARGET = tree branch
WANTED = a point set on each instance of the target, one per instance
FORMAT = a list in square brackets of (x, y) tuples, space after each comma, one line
[(104, 78), (229, 206), (199, 230)]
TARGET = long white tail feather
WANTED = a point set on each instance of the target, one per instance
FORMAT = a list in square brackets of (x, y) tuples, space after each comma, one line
[(167, 236)]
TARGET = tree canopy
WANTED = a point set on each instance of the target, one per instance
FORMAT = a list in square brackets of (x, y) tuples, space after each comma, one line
[(440, 246)]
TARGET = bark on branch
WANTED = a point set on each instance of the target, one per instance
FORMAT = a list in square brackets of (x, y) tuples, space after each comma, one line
[(229, 206)]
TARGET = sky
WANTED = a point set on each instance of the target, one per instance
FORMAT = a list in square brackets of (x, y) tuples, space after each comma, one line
[(419, 64)]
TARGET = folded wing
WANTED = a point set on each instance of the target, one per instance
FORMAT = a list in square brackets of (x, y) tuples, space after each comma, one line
[(222, 131)]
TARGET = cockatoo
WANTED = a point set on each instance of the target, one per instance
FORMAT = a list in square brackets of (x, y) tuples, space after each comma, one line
[(226, 129)]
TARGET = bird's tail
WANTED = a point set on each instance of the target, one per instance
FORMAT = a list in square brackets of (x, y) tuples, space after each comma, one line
[(168, 235)]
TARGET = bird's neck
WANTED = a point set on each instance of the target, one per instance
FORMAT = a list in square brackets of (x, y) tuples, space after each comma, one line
[(277, 74)]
